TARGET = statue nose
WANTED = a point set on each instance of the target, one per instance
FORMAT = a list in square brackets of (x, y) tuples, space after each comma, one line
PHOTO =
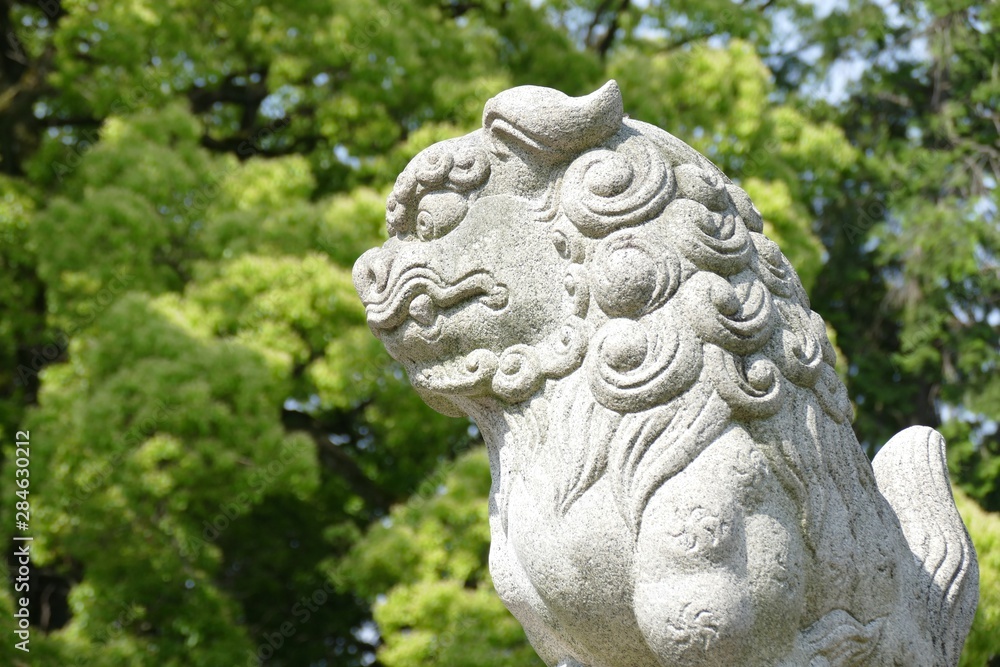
[(371, 273)]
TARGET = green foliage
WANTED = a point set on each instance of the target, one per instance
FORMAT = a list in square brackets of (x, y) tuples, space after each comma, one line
[(218, 439), (150, 413), (20, 293), (425, 567), (915, 231), (982, 648)]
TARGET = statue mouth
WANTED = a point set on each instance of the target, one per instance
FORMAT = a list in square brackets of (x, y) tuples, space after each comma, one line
[(419, 295)]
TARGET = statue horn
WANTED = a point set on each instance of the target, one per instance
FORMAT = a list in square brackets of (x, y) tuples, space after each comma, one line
[(549, 125)]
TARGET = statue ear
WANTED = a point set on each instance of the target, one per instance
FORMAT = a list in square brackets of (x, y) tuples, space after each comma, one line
[(549, 126)]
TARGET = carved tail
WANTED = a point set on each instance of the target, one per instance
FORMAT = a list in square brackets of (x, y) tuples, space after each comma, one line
[(912, 474)]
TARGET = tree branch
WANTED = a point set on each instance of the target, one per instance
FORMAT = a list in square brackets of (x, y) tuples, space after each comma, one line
[(588, 39), (339, 459), (22, 83), (609, 37), (456, 9), (248, 95)]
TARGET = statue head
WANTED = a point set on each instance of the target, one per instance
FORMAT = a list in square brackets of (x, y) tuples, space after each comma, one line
[(563, 237)]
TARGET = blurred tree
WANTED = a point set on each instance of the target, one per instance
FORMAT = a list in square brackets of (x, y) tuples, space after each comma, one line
[(425, 568), (912, 284), (184, 187), (984, 527)]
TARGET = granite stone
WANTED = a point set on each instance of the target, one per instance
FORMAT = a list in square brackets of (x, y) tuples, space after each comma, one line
[(675, 477)]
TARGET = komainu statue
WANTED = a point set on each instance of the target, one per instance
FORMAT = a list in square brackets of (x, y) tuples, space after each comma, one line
[(675, 478)]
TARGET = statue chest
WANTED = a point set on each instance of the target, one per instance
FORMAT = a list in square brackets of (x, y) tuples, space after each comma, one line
[(570, 571), (589, 543)]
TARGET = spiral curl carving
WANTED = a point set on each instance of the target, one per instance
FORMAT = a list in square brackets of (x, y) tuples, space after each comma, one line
[(796, 347), (439, 213), (702, 186), (751, 216), (634, 274), (522, 369), (714, 242), (433, 166), (519, 374), (635, 365), (699, 287), (471, 168), (604, 190), (738, 307), (753, 387), (738, 318), (564, 350), (469, 376), (772, 267)]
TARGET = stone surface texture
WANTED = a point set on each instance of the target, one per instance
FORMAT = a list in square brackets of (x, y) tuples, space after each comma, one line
[(675, 477)]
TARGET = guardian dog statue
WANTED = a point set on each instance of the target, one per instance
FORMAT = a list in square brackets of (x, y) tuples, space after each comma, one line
[(675, 479)]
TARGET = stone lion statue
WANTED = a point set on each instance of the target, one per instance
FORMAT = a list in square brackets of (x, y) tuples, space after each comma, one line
[(675, 477)]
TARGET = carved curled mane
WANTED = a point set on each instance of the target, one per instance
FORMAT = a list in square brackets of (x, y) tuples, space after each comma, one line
[(680, 317), (698, 315)]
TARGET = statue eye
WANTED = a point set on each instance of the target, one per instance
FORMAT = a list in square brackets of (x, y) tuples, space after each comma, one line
[(439, 213), (568, 243)]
